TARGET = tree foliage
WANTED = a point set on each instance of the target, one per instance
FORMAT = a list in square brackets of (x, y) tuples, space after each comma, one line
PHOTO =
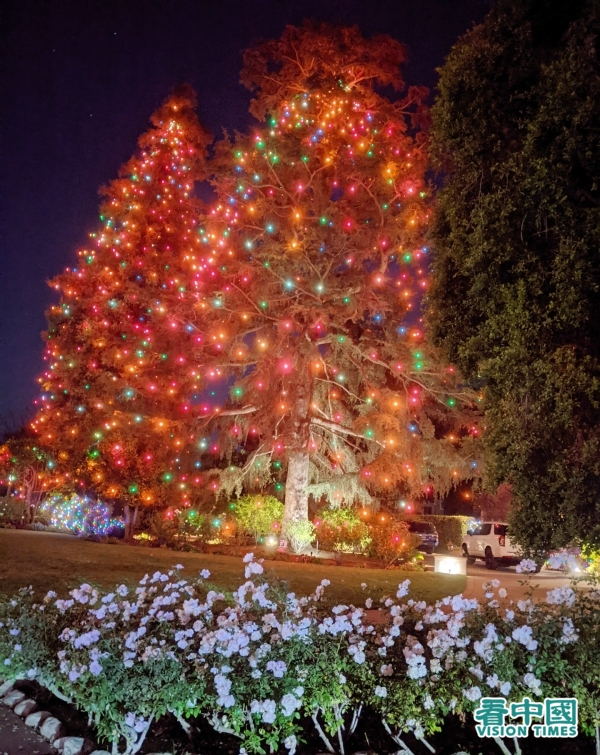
[(298, 291), (516, 294), (120, 342), (317, 262)]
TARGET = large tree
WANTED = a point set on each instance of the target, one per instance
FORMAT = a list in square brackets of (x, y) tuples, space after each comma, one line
[(119, 379), (314, 267), (516, 286)]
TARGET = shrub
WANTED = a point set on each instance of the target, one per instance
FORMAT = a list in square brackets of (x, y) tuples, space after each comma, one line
[(257, 515), (264, 664), (391, 541), (80, 515), (176, 528), (300, 535), (342, 530), (12, 510)]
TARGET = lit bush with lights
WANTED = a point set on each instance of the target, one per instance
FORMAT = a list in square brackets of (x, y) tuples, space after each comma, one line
[(391, 540), (258, 515), (300, 534), (342, 530), (80, 515)]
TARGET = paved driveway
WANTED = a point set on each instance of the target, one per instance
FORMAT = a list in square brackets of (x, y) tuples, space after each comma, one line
[(541, 582), (477, 574)]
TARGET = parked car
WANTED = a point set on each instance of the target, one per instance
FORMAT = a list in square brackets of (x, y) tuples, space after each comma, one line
[(428, 534), (568, 560), (490, 542)]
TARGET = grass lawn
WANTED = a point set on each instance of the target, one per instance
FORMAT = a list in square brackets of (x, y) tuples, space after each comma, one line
[(49, 561)]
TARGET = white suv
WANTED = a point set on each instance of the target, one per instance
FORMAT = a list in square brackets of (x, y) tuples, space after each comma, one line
[(490, 542)]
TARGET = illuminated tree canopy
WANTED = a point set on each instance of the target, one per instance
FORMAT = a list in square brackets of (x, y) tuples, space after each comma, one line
[(298, 289)]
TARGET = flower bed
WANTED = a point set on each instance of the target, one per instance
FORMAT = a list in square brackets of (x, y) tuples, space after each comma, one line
[(262, 664)]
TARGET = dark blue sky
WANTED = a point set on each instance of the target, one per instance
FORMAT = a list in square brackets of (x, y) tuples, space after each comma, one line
[(79, 81)]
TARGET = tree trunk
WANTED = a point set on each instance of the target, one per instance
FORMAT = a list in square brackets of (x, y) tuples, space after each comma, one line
[(296, 498), (130, 520)]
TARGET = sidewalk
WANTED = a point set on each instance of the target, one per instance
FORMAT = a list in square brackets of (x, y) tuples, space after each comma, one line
[(18, 739)]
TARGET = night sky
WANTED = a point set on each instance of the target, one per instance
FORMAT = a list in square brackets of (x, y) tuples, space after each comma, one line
[(79, 81)]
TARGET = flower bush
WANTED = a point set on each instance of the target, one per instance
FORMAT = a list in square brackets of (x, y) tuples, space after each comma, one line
[(263, 664), (342, 530)]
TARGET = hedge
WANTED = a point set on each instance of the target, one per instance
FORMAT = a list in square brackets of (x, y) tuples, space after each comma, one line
[(449, 528)]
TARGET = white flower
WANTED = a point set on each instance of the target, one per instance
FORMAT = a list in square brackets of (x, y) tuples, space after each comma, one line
[(122, 590), (268, 711), (381, 691), (253, 568), (502, 592), (524, 634), (363, 585), (356, 651), (505, 688), (492, 681), (277, 668), (369, 602), (386, 670), (526, 566), (534, 684), (290, 744), (569, 632), (561, 595), (205, 574), (472, 694), (403, 588), (95, 668), (428, 702), (289, 704), (248, 557)]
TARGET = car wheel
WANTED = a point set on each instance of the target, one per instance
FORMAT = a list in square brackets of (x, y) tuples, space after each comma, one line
[(470, 559), (490, 561)]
